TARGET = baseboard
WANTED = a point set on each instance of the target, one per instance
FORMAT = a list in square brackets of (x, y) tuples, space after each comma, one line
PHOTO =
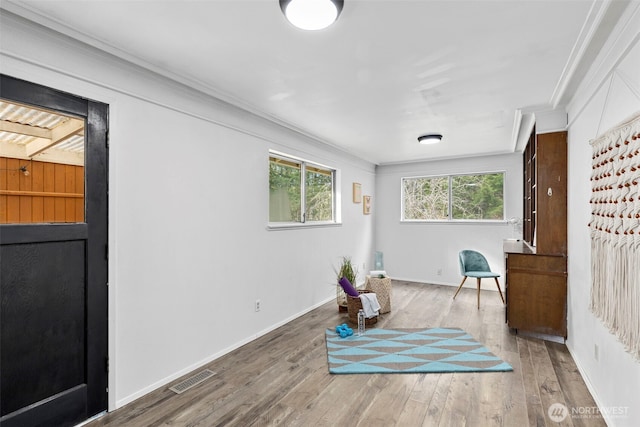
[(590, 386), (545, 337), (128, 399), (421, 281), (469, 285)]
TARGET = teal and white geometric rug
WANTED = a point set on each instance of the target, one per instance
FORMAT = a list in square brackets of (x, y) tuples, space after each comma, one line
[(410, 351)]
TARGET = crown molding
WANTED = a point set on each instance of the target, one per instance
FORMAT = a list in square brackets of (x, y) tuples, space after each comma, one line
[(622, 38), (580, 49), (515, 132)]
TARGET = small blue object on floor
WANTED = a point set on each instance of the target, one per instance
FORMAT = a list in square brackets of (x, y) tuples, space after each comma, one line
[(344, 331), (430, 350)]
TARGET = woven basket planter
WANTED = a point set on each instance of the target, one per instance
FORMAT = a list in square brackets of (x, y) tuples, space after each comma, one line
[(382, 288), (354, 305)]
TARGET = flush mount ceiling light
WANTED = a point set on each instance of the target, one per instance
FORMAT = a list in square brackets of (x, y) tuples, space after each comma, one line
[(432, 138), (311, 14)]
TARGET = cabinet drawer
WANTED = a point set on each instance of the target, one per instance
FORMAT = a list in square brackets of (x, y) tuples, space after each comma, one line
[(537, 263)]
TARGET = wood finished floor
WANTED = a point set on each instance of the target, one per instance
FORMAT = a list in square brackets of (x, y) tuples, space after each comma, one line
[(282, 379)]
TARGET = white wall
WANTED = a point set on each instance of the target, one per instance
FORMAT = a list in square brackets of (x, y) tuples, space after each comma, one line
[(189, 250), (416, 251), (609, 93)]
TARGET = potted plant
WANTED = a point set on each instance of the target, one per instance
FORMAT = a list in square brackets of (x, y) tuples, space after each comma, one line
[(348, 270)]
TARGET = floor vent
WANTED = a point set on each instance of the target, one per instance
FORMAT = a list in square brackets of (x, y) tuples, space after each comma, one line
[(192, 381)]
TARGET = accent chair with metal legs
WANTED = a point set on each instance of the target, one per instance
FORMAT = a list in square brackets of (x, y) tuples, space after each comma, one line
[(474, 264)]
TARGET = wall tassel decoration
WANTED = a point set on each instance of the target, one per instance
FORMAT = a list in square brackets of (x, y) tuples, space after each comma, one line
[(615, 232)]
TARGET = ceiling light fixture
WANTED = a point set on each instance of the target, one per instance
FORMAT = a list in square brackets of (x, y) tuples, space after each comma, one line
[(311, 14), (432, 138)]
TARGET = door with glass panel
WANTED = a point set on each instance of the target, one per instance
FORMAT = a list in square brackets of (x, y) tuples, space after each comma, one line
[(53, 265)]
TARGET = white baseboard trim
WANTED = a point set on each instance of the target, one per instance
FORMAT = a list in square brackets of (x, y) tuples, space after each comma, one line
[(471, 284), (590, 386), (421, 281), (128, 399)]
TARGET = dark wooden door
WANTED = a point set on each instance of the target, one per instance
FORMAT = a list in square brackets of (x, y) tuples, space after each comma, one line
[(53, 290)]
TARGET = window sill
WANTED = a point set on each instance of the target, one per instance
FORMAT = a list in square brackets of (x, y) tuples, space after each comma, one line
[(296, 225), (457, 222)]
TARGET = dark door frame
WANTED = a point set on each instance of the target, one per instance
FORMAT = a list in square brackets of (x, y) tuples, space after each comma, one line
[(95, 228)]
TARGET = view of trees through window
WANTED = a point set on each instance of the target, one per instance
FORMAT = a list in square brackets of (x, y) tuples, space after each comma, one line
[(319, 194), (477, 196), (426, 198), (458, 197), (286, 188)]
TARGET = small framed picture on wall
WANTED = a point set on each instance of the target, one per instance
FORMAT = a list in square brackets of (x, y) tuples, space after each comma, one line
[(366, 205), (357, 192)]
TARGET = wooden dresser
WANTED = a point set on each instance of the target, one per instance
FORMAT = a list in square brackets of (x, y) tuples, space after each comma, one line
[(536, 290), (536, 268)]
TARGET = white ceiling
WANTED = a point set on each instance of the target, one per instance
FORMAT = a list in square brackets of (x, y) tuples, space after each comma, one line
[(386, 72)]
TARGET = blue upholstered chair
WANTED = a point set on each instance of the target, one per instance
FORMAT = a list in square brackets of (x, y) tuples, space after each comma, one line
[(474, 264)]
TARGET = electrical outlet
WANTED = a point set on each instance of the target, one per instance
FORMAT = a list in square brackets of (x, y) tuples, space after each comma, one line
[(364, 266), (595, 352), (257, 305), (439, 272)]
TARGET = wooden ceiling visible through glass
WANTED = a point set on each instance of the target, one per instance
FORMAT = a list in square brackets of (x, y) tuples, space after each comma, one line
[(41, 165)]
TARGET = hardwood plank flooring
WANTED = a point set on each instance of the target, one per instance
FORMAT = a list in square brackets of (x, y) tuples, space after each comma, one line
[(282, 378)]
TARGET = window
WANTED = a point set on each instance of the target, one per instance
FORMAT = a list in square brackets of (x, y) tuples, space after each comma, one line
[(42, 170), (473, 197), (425, 198), (300, 192)]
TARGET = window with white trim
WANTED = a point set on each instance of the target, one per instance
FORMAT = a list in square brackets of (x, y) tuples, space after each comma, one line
[(469, 197), (300, 192)]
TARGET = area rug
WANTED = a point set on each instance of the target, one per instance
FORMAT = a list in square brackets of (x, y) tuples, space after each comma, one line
[(432, 350)]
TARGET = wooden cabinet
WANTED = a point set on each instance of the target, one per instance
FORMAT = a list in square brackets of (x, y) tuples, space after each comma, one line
[(545, 193), (536, 290), (536, 268), (529, 190)]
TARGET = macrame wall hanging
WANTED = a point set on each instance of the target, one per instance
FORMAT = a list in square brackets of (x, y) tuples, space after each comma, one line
[(615, 232)]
